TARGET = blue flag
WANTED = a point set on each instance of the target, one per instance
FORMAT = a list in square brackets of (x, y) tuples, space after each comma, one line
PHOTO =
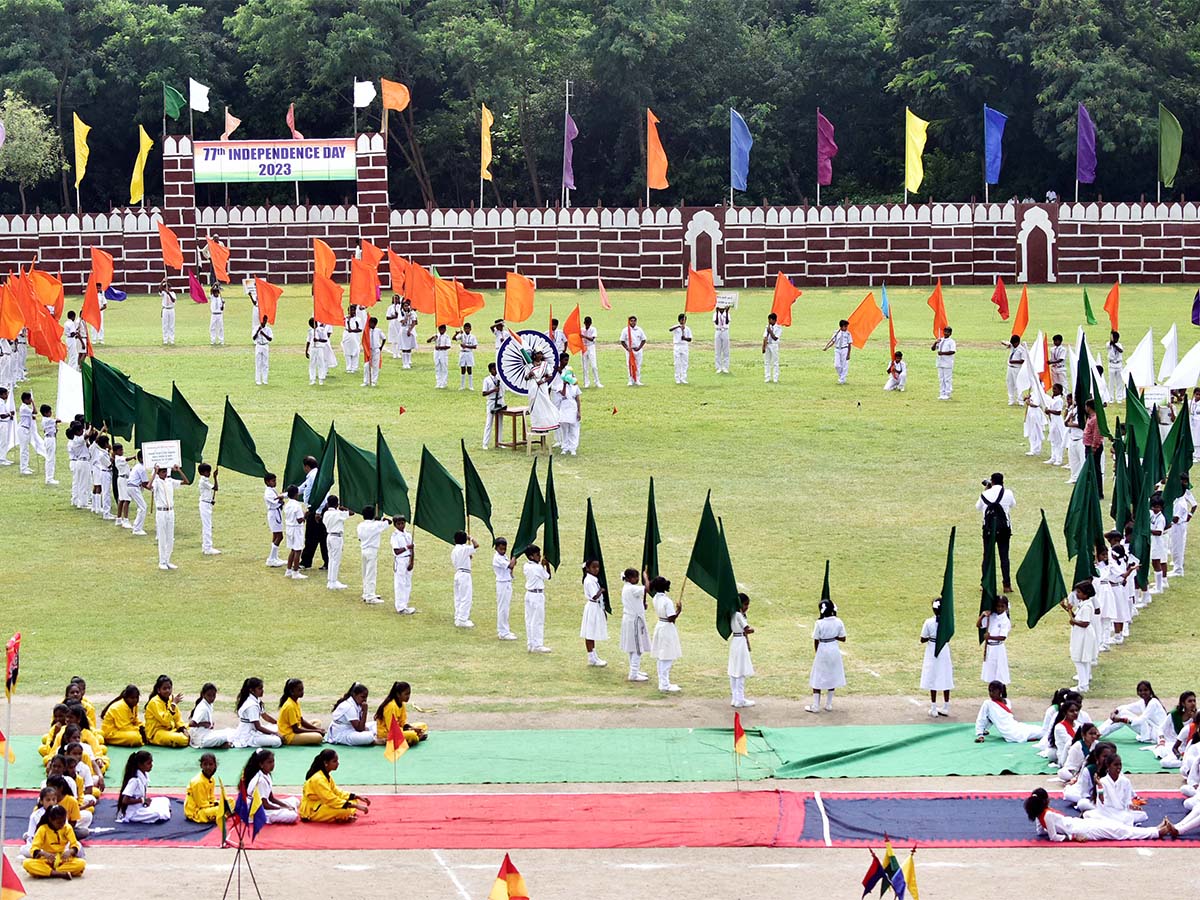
[(993, 138), (887, 310), (740, 143)]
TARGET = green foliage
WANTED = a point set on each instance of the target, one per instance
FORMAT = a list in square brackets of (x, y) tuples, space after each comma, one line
[(32, 151)]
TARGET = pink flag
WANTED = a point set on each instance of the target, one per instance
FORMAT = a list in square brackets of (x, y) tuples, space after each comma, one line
[(604, 304), (231, 124), (291, 123), (826, 150), (195, 288)]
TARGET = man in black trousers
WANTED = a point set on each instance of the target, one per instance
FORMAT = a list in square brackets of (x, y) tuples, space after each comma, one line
[(314, 528)]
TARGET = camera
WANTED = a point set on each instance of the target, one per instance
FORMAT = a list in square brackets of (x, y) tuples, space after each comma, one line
[(987, 482)]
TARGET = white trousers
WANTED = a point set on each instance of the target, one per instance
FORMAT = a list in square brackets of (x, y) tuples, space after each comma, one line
[(771, 363), (139, 500), (262, 363), (1058, 440), (206, 520), (721, 350), (503, 602), (402, 584), (1116, 383), (737, 688), (1010, 380), (441, 367), (164, 528), (6, 436), (24, 439), (637, 363), (535, 620), (1075, 453), (371, 370), (681, 365), (945, 382), (1084, 671), (664, 673), (568, 436), (488, 425), (841, 364), (216, 329), (1178, 535), (51, 447), (589, 364), (334, 543), (168, 326), (1035, 442), (81, 483), (463, 594), (351, 350), (370, 566), (318, 364)]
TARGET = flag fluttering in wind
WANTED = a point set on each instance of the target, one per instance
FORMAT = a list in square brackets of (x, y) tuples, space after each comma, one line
[(10, 885), (570, 132), (1112, 305), (440, 504), (1039, 577), (219, 254), (605, 304), (874, 876), (656, 157), (396, 745), (197, 96), (865, 318), (327, 301), (291, 122), (993, 142), (652, 536), (1000, 298), (592, 550), (485, 141), (914, 146), (268, 300), (231, 124), (1085, 147), (1170, 146), (945, 628), (785, 295), (938, 305), (1196, 309), (172, 253), (827, 150), (81, 147), (518, 297), (173, 102), (1021, 322), (324, 260), (479, 504), (509, 885), (739, 736), (740, 143), (364, 93), (12, 664), (1088, 315), (396, 96), (195, 288), (237, 450), (137, 183), (701, 295)]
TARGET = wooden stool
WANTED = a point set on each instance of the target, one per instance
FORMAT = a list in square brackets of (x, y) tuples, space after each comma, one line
[(517, 414)]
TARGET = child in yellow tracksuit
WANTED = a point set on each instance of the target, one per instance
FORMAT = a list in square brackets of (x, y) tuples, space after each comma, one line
[(164, 721), (80, 820), (55, 848), (120, 724), (52, 738), (395, 706), (202, 803), (293, 727), (75, 693), (322, 800)]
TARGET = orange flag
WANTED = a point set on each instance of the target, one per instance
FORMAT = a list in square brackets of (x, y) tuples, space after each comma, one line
[(323, 259), (446, 304), (172, 254), (91, 302), (327, 301), (1021, 320), (220, 259), (864, 320), (701, 295), (362, 283), (509, 883), (1112, 305), (604, 303), (939, 310), (573, 329), (468, 301), (49, 291), (518, 297), (656, 157), (10, 885), (268, 300), (396, 745), (1047, 381), (45, 334), (785, 295), (102, 267), (395, 95), (398, 269), (371, 255), (892, 343), (12, 320), (419, 288)]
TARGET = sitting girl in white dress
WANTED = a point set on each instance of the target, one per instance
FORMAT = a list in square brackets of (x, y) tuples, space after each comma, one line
[(257, 776), (350, 720), (135, 806)]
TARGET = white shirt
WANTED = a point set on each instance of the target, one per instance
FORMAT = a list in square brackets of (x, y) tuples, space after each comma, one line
[(495, 401), (263, 335), (122, 467), (1058, 356), (393, 312), (273, 500), (1016, 355), (772, 333), (369, 533), (633, 338), (467, 342), (720, 320), (202, 715), (589, 337), (49, 427), (25, 416), (216, 304), (535, 577), (441, 342), (1116, 356), (293, 514), (402, 544), (208, 492), (992, 494), (168, 299), (334, 521), (500, 567), (842, 340), (164, 493), (460, 557), (946, 345), (680, 335), (137, 476)]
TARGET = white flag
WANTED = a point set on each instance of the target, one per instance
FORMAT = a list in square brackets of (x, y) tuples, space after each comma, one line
[(1139, 365), (70, 392), (364, 93), (1171, 357), (197, 96)]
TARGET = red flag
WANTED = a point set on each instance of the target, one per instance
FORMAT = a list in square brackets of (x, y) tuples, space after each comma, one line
[(419, 288), (12, 320), (291, 123), (196, 289), (875, 874), (102, 267), (327, 301), (323, 259), (1021, 320), (220, 259), (864, 320), (1112, 305), (468, 301), (938, 305), (397, 744), (701, 295), (785, 295), (518, 297), (1000, 298), (739, 735), (509, 884), (268, 300), (10, 885), (446, 304), (362, 284), (604, 304), (12, 665), (49, 291), (398, 269), (573, 329), (172, 254)]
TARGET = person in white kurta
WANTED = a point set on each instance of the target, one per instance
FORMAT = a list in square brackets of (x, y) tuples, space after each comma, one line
[(1058, 428), (1057, 361), (570, 410), (635, 638), (351, 722), (594, 626), (945, 348), (408, 334), (467, 344), (263, 335), (162, 487), (314, 352), (740, 665), (681, 342), (543, 411), (136, 806), (73, 335), (721, 339), (633, 341), (352, 329), (590, 372), (1084, 647), (1016, 360), (1116, 368), (169, 299), (841, 342), (996, 711), (937, 670), (1074, 427), (995, 645), (137, 482), (216, 317), (460, 558), (770, 349), (207, 488), (1035, 424), (279, 810), (8, 416), (502, 569), (394, 312), (1146, 716), (537, 573), (1181, 513), (370, 530), (441, 356), (897, 372), (664, 645), (376, 342), (1115, 799), (403, 559), (828, 672), (334, 519)]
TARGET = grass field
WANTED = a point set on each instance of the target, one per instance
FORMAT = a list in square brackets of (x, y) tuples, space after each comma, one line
[(799, 472)]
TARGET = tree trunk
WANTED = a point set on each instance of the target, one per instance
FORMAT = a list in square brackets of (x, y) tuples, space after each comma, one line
[(62, 81), (21, 191), (528, 148), (412, 155)]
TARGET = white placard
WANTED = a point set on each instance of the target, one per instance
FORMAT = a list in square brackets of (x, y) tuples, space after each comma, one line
[(161, 454), (727, 299), (1156, 394)]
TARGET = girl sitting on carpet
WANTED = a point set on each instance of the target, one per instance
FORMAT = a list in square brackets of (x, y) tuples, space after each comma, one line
[(55, 849), (349, 725), (250, 731), (257, 775), (164, 721), (120, 724), (395, 706), (201, 731), (322, 800), (1082, 792), (135, 806), (1144, 716), (1085, 738), (293, 727), (1169, 748), (1059, 827), (1116, 799), (1062, 735)]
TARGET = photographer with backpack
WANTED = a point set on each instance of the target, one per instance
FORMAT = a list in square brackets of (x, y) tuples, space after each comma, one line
[(996, 503)]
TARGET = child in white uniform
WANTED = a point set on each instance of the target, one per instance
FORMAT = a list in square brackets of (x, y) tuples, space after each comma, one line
[(137, 481), (251, 732), (334, 519), (635, 638), (314, 351), (403, 559), (1158, 545), (502, 567), (1035, 424), (467, 343), (207, 487), (394, 311), (828, 672), (681, 342), (770, 349), (202, 731), (408, 334), (996, 711), (1058, 428), (633, 342), (441, 356), (25, 426), (376, 341), (665, 646), (257, 777), (740, 665), (569, 399), (216, 317), (1083, 643), (897, 379), (721, 339), (537, 573), (169, 297), (594, 626), (1181, 514), (274, 503), (464, 589), (370, 530), (162, 488), (121, 468), (1016, 361), (1116, 800), (351, 722), (493, 397), (995, 654), (1146, 716), (351, 338), (135, 806), (49, 440), (937, 669), (590, 372), (8, 415), (293, 524), (841, 342), (945, 348), (263, 335)]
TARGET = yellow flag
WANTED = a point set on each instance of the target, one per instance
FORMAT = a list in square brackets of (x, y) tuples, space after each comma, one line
[(81, 147), (137, 184), (914, 146), (485, 142), (910, 876)]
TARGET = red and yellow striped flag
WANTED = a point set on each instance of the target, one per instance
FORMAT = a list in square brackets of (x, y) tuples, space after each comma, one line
[(510, 885), (396, 745), (10, 885), (5, 749), (739, 735)]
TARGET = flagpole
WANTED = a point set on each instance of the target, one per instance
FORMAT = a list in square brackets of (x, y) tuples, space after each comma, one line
[(1076, 190), (481, 192), (818, 192), (4, 789), (566, 192), (737, 765), (191, 123), (354, 105)]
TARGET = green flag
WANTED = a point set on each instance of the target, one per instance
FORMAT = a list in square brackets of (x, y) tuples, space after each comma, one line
[(1137, 417), (1139, 546), (591, 550), (236, 450), (153, 418), (1170, 146), (945, 625), (391, 491), (89, 388), (1181, 452), (1083, 383), (652, 537), (727, 592), (1088, 315), (533, 514), (1039, 577), (114, 401), (1084, 524), (324, 480), (479, 504), (704, 567), (987, 585), (173, 102), (1178, 428), (551, 551), (356, 479), (191, 431), (439, 508), (303, 442), (1119, 509), (825, 585), (1153, 462)]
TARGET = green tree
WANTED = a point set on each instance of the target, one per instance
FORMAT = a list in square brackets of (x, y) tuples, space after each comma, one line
[(32, 152)]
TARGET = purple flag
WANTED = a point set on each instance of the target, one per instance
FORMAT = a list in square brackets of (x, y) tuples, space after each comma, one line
[(1196, 309), (570, 132), (3, 134), (1085, 148), (826, 150)]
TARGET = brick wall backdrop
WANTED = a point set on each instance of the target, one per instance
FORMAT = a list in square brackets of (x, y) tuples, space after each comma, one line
[(651, 248)]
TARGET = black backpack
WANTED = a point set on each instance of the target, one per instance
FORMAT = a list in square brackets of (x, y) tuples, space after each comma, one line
[(993, 513)]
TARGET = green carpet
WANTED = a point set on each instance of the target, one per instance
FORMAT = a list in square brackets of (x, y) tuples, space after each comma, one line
[(628, 755)]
